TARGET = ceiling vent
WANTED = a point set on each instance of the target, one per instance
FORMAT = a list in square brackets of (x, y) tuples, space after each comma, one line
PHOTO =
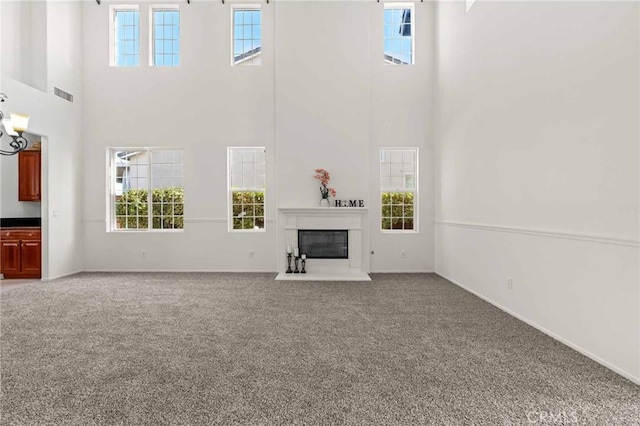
[(62, 94)]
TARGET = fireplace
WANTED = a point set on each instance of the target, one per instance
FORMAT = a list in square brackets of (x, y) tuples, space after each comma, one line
[(334, 240), (324, 243)]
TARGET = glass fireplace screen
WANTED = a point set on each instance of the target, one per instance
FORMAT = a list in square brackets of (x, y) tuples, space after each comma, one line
[(324, 244)]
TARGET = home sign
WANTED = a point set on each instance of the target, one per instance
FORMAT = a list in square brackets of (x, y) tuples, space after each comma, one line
[(349, 203)]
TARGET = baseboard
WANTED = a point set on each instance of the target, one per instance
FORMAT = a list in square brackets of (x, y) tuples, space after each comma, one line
[(61, 276), (259, 271), (549, 333), (186, 271)]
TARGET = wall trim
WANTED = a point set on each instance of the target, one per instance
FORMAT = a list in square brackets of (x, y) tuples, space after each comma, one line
[(242, 271), (186, 220), (186, 271), (79, 271), (594, 238), (621, 372), (205, 220)]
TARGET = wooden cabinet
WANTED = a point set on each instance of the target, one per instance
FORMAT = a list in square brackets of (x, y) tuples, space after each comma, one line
[(10, 257), (29, 176), (20, 253), (30, 252)]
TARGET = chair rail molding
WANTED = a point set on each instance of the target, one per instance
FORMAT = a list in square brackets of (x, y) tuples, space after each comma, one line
[(545, 233)]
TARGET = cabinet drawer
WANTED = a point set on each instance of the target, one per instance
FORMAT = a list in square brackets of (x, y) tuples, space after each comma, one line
[(21, 234)]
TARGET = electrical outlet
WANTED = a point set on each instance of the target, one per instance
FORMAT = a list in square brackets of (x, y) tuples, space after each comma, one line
[(252, 254), (403, 254), (510, 283)]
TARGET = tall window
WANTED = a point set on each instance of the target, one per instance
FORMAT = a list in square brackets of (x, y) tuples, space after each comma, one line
[(247, 184), (165, 38), (398, 188), (125, 36), (247, 35), (146, 189), (399, 31)]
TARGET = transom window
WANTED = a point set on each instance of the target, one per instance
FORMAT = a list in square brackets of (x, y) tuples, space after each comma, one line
[(247, 184), (247, 35), (398, 189), (125, 36), (399, 32), (146, 189), (166, 36)]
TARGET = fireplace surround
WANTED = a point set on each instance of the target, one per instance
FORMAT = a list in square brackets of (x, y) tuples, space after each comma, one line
[(353, 221)]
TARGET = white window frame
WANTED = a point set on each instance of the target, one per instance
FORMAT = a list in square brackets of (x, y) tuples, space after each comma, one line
[(402, 5), (415, 191), (245, 7), (111, 190), (152, 46), (112, 32), (230, 190)]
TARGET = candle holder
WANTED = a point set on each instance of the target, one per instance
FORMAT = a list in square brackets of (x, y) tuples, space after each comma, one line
[(296, 271), (304, 263), (289, 263)]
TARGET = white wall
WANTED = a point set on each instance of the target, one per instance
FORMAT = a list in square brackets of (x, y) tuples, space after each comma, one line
[(537, 166), (401, 111), (315, 101), (202, 106), (57, 120), (2, 106), (27, 62)]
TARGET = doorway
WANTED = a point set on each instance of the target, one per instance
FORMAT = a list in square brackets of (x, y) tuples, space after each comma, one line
[(23, 224)]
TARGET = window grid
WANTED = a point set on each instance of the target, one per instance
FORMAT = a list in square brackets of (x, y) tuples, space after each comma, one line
[(398, 34), (398, 177), (247, 184), (147, 177), (127, 38), (247, 36), (166, 37)]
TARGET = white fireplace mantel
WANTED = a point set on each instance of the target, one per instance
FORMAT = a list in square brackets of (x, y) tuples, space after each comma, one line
[(352, 219)]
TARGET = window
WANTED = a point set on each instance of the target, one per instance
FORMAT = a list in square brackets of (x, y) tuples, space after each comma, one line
[(398, 33), (247, 183), (165, 48), (125, 36), (143, 177), (247, 35), (398, 188)]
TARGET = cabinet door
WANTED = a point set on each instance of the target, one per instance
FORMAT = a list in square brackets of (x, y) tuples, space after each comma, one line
[(30, 253), (10, 258), (29, 176)]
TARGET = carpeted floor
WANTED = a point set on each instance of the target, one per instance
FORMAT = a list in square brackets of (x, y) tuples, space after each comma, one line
[(244, 349)]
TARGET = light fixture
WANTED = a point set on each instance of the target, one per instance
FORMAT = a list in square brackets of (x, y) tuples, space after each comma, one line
[(14, 127)]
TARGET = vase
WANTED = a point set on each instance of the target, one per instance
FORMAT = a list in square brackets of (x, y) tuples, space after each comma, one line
[(324, 202)]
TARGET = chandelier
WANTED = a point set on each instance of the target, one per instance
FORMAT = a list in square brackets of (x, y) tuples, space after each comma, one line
[(15, 127)]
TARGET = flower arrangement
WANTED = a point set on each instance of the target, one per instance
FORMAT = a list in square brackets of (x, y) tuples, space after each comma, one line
[(323, 176)]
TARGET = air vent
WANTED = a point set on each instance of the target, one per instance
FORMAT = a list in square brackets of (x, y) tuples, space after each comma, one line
[(62, 94)]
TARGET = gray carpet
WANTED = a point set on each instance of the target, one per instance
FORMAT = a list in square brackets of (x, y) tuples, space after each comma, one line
[(244, 349)]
